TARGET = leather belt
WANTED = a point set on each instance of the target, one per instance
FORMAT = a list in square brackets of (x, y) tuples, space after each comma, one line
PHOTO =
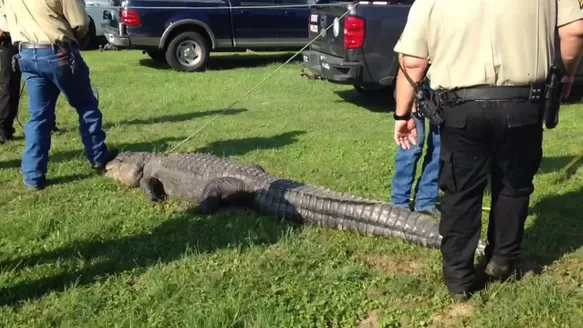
[(533, 92), (33, 45)]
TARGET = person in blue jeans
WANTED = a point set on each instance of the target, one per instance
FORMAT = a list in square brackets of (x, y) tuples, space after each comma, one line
[(427, 188), (51, 64)]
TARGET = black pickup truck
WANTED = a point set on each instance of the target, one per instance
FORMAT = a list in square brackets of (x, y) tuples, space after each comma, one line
[(184, 32), (358, 48)]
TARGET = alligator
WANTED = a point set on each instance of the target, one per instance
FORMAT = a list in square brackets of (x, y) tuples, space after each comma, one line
[(211, 183)]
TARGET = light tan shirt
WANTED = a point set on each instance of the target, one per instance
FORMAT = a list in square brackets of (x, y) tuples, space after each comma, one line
[(46, 21), (493, 42), (3, 22)]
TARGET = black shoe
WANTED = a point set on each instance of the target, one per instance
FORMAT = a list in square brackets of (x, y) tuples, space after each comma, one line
[(111, 154), (500, 271)]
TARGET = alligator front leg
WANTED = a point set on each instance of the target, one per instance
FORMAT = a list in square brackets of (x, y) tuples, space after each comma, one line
[(224, 191), (153, 189)]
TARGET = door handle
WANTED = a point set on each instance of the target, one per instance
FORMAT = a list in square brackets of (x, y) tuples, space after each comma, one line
[(289, 13), (245, 12)]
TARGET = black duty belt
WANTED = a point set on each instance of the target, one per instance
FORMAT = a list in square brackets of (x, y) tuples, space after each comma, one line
[(533, 92)]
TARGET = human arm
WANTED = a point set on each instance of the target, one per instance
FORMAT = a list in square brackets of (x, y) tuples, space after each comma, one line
[(413, 51), (570, 31), (75, 14), (571, 43), (416, 68)]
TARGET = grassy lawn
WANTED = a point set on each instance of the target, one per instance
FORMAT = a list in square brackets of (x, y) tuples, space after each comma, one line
[(87, 252)]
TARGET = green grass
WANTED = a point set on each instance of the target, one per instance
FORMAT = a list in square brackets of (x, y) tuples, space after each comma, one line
[(87, 252)]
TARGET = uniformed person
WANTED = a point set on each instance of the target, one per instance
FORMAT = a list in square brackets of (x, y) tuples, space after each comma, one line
[(46, 33), (496, 55), (9, 83)]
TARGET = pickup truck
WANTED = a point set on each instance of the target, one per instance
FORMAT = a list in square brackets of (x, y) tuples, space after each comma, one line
[(97, 23), (358, 48), (176, 32)]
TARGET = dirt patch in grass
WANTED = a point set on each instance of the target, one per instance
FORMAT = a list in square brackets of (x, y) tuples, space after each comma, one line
[(454, 316), (275, 252), (393, 263), (372, 320), (568, 273)]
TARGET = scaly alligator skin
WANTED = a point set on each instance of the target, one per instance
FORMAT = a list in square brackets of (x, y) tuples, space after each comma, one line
[(214, 182)]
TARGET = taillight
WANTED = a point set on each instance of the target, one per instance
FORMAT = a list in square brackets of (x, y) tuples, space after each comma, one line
[(130, 17), (353, 32)]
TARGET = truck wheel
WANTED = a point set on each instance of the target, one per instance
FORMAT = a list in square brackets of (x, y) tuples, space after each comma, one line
[(157, 56), (188, 52), (368, 90)]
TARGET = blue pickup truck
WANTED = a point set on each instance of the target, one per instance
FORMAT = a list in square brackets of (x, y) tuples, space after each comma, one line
[(184, 32)]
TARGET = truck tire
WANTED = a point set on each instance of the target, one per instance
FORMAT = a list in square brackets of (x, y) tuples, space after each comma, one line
[(157, 55), (188, 52), (370, 90)]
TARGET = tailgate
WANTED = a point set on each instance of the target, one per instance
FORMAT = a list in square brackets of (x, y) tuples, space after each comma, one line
[(329, 41), (114, 17)]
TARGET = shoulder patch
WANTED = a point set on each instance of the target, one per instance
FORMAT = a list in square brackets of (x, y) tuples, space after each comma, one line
[(580, 4)]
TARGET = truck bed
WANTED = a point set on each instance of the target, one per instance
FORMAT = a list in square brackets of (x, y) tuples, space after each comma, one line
[(365, 56)]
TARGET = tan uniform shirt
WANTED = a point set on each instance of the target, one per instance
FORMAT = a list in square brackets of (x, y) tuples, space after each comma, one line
[(46, 21), (3, 22), (494, 42)]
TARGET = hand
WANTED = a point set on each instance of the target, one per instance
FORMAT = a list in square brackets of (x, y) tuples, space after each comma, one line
[(567, 84), (405, 130), (1, 34)]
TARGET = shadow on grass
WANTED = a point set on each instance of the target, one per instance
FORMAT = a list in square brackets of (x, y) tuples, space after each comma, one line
[(218, 63), (381, 101), (557, 229), (237, 147), (10, 164), (177, 117), (54, 157), (556, 164), (168, 242), (68, 178)]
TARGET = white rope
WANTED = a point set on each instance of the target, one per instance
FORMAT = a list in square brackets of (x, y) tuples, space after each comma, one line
[(352, 6)]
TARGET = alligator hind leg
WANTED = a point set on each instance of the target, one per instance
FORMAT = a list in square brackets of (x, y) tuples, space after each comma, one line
[(153, 189), (225, 191)]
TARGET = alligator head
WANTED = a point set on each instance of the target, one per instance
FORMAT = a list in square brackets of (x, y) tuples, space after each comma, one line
[(127, 167)]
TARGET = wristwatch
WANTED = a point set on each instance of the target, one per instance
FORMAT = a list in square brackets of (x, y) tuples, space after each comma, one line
[(401, 117)]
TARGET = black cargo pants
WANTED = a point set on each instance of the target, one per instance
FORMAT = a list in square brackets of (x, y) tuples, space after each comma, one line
[(9, 87), (480, 139)]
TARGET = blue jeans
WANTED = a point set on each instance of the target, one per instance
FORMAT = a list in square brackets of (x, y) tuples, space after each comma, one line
[(49, 72), (427, 189)]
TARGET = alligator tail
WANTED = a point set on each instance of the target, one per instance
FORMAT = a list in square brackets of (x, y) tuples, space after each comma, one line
[(321, 207)]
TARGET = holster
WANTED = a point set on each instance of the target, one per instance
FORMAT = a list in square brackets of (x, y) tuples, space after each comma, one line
[(552, 97), (429, 104)]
